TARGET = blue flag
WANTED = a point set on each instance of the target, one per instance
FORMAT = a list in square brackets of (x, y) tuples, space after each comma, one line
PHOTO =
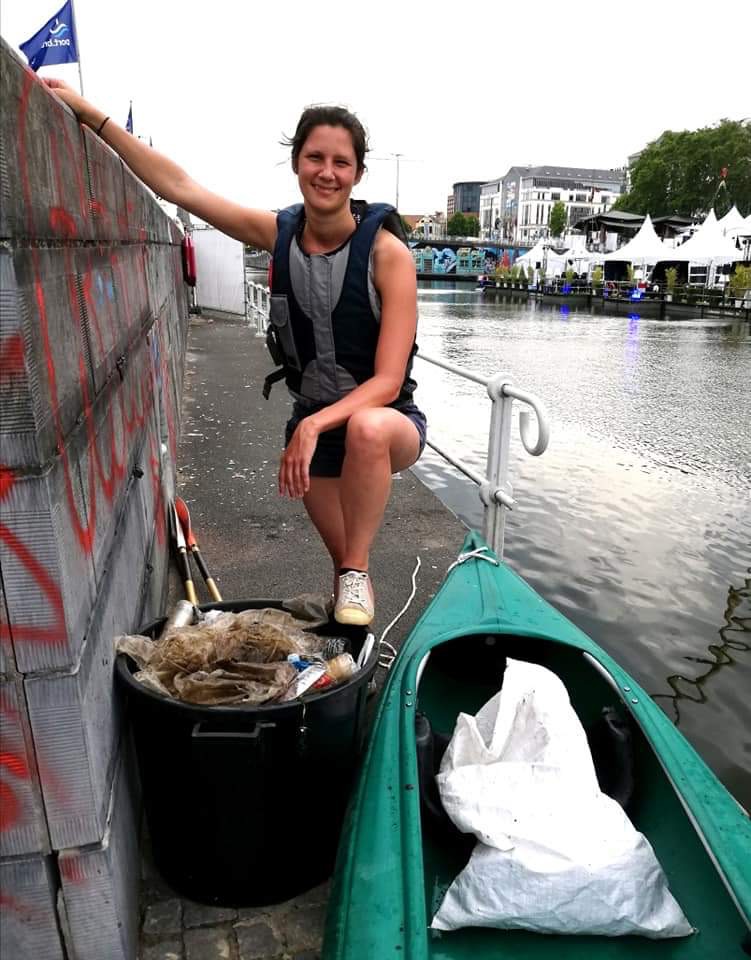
[(129, 121), (55, 42)]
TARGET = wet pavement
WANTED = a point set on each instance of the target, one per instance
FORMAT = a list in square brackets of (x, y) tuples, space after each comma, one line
[(258, 545)]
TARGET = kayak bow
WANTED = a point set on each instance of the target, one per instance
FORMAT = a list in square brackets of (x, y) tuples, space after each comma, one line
[(393, 869)]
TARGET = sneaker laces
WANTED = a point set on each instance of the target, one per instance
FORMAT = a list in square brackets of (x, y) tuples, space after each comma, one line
[(353, 589)]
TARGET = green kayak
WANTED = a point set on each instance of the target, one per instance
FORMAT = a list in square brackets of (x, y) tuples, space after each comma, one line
[(395, 864)]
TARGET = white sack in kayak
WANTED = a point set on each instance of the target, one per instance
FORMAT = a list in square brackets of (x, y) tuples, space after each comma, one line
[(556, 855)]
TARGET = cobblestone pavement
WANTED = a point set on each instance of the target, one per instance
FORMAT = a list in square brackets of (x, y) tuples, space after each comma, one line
[(173, 928)]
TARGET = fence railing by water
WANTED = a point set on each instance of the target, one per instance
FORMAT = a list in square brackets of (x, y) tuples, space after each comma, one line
[(494, 487)]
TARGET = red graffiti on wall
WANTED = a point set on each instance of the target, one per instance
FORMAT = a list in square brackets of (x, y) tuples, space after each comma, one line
[(72, 869), (62, 223), (55, 634), (78, 172), (11, 356), (10, 805), (107, 466), (84, 530), (17, 767), (98, 210), (132, 399), (26, 911)]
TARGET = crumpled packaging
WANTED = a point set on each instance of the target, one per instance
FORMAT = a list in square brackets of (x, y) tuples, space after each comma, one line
[(231, 657), (251, 683)]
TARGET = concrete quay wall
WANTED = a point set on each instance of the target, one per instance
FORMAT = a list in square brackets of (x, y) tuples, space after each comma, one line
[(93, 328)]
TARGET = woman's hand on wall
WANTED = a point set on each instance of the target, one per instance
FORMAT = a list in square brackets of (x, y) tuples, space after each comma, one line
[(170, 181), (86, 112)]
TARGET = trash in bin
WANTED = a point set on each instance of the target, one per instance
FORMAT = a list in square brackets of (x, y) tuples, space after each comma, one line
[(318, 675), (228, 786), (249, 657)]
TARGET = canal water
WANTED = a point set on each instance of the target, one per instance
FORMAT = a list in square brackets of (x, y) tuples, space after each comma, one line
[(636, 522)]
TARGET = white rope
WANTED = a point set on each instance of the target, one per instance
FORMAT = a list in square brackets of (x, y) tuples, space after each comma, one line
[(477, 554), (388, 659)]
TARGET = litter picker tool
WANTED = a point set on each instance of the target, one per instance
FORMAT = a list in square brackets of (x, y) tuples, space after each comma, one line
[(178, 541), (183, 515)]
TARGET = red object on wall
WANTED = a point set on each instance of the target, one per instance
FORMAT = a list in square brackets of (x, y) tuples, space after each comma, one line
[(189, 261)]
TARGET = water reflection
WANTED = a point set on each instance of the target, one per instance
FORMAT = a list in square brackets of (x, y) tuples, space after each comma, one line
[(637, 518)]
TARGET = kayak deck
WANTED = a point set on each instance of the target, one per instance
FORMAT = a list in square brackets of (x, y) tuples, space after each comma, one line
[(460, 676)]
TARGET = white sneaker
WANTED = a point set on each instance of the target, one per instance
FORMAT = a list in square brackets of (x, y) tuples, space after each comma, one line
[(354, 601)]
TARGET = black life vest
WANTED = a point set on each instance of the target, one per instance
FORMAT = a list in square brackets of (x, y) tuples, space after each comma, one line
[(325, 312)]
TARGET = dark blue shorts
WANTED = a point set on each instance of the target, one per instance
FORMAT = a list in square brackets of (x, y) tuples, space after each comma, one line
[(329, 453)]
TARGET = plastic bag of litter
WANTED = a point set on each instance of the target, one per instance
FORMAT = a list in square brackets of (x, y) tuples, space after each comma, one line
[(556, 855)]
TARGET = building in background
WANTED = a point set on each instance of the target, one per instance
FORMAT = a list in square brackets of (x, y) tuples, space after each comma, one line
[(466, 198), (630, 163), (432, 226), (516, 207), (411, 219), (491, 215)]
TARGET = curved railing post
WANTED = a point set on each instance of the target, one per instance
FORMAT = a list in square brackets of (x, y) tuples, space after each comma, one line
[(499, 449), (495, 488)]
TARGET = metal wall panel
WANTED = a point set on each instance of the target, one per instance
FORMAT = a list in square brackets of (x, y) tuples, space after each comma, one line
[(28, 918), (100, 882), (23, 829), (76, 717), (48, 572), (45, 344), (93, 328), (45, 193), (106, 189), (7, 657)]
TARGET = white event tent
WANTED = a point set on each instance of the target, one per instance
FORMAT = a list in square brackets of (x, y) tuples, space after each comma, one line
[(732, 223), (707, 250), (533, 256), (708, 245), (645, 248), (542, 252)]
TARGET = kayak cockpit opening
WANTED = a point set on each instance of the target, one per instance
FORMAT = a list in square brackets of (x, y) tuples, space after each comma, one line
[(461, 675)]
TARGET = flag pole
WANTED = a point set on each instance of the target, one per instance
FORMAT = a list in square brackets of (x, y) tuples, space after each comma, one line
[(78, 45)]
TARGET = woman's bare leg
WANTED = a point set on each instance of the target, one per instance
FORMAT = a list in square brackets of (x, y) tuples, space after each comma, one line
[(380, 441), (323, 503)]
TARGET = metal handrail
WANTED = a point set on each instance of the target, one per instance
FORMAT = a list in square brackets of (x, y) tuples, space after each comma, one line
[(494, 488)]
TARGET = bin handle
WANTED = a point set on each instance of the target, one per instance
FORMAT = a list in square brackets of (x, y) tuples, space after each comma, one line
[(253, 738)]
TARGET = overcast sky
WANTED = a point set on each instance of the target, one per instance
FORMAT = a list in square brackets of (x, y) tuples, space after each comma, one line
[(463, 91)]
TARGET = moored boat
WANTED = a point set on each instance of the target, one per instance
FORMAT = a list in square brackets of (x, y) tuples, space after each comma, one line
[(396, 860)]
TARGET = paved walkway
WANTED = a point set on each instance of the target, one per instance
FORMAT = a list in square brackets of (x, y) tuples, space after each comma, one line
[(258, 545)]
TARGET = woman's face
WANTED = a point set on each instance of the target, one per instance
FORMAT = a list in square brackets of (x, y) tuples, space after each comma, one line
[(327, 168)]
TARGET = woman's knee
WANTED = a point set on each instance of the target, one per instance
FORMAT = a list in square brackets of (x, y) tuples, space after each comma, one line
[(368, 432)]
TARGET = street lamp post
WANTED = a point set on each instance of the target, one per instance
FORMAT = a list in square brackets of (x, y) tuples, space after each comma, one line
[(398, 157)]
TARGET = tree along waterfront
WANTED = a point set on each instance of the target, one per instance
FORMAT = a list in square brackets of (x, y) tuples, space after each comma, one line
[(692, 171), (636, 521)]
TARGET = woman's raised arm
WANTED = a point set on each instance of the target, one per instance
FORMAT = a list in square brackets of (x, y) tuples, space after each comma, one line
[(168, 180)]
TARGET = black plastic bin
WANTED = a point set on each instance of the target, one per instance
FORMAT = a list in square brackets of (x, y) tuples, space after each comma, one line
[(244, 804)]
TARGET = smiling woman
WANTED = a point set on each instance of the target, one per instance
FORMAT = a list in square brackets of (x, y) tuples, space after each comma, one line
[(343, 325)]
